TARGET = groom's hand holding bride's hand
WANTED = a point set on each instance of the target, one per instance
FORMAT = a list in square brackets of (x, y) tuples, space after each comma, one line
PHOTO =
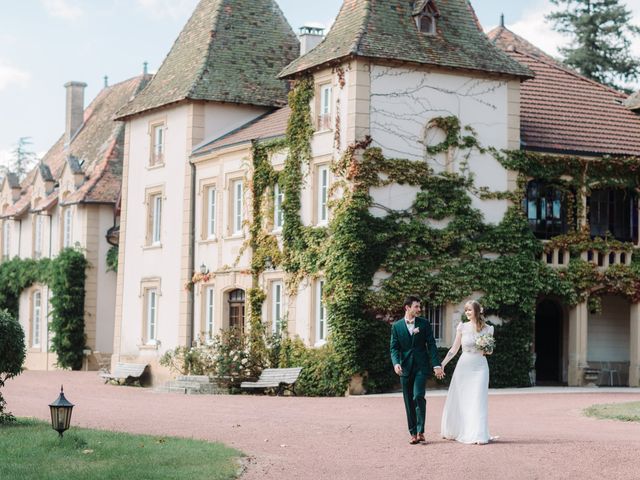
[(439, 373)]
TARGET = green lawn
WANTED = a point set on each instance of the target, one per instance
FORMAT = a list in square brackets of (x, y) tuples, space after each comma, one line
[(628, 412), (30, 449)]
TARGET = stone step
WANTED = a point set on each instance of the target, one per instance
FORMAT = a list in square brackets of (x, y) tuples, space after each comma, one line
[(191, 388), (193, 378)]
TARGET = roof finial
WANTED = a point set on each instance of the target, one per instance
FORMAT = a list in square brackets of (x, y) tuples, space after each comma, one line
[(144, 68), (106, 81), (502, 20)]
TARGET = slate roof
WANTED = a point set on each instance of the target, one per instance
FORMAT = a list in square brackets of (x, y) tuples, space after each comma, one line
[(270, 125), (228, 51), (13, 180), (386, 30), (562, 111), (96, 149)]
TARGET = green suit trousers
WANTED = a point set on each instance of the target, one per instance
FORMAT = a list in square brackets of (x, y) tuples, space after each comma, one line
[(413, 390)]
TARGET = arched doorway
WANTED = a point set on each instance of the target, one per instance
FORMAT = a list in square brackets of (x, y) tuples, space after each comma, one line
[(548, 342), (236, 309)]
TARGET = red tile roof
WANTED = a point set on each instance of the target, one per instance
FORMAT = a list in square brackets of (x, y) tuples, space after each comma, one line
[(562, 111), (97, 145), (267, 126)]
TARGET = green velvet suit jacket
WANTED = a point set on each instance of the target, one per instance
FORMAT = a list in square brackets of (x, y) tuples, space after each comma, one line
[(412, 351)]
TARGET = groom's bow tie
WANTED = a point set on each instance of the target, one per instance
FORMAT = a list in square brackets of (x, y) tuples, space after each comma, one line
[(410, 322)]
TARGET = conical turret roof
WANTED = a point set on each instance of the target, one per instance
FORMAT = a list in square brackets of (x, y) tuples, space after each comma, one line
[(387, 30), (228, 51)]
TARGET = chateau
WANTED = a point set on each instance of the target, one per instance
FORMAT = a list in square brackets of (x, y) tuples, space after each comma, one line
[(405, 152)]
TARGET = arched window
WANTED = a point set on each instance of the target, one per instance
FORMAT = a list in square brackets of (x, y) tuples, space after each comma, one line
[(546, 209), (236, 309), (425, 14)]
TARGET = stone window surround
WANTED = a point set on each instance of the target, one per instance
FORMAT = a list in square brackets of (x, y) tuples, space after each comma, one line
[(316, 166), (146, 285), (203, 191), (153, 161), (149, 194), (272, 303), (63, 223), (37, 219), (204, 291), (322, 81), (230, 182), (35, 347)]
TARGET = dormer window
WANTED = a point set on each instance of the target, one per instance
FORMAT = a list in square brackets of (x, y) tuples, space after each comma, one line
[(425, 14)]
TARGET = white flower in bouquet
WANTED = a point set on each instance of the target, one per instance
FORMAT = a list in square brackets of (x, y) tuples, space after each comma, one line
[(485, 343)]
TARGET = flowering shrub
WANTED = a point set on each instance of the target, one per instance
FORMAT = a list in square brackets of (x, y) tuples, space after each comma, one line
[(197, 360), (232, 362)]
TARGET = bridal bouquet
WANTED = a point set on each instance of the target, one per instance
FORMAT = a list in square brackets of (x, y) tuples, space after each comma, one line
[(485, 343)]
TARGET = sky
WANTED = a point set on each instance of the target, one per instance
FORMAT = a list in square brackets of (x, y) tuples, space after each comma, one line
[(46, 43)]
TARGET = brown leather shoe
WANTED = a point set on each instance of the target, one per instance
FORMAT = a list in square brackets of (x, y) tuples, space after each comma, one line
[(414, 440), (421, 437)]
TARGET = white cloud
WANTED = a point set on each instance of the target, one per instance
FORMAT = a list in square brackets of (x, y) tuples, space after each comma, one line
[(12, 75), (5, 157), (168, 8), (67, 9), (533, 27)]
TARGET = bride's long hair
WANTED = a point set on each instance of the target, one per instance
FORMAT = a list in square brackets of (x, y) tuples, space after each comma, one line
[(478, 313)]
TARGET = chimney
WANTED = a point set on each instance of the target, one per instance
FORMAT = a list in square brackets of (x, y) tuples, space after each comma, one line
[(309, 38), (75, 110)]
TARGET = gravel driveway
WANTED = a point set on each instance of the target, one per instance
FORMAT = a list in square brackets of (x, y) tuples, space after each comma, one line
[(542, 435)]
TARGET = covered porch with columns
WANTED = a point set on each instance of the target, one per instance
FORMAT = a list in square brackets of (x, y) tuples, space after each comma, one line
[(611, 349)]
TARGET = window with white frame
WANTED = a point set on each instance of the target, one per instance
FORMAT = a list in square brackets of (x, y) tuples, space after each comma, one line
[(211, 212), (276, 306), (156, 218), (6, 239), (324, 114), (151, 316), (435, 315), (67, 227), (323, 193), (37, 236), (278, 215), (237, 215), (321, 313), (209, 296), (157, 145), (36, 321)]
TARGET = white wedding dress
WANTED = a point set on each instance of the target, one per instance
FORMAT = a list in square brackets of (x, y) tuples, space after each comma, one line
[(465, 416)]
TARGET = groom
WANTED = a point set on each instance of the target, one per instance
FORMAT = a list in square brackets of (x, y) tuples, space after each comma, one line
[(411, 340)]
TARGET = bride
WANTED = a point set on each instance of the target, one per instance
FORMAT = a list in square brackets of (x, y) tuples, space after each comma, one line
[(465, 410)]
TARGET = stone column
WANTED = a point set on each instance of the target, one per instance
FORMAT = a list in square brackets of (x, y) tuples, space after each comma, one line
[(578, 327), (634, 350)]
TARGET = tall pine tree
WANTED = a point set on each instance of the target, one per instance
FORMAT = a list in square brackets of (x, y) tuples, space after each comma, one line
[(601, 33), (23, 158)]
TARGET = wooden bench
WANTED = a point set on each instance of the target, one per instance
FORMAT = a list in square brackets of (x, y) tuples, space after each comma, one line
[(129, 372), (280, 378)]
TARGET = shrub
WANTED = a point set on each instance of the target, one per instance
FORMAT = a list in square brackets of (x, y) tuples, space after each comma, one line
[(12, 355), (231, 358), (198, 360), (322, 373), (67, 276)]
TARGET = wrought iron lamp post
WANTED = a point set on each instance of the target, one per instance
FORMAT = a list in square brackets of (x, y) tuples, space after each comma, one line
[(61, 413)]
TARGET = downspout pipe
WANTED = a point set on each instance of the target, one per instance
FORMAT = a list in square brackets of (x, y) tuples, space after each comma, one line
[(192, 256)]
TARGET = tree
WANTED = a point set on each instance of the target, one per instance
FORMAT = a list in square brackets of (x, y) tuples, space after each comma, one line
[(12, 354), (23, 159), (601, 33)]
